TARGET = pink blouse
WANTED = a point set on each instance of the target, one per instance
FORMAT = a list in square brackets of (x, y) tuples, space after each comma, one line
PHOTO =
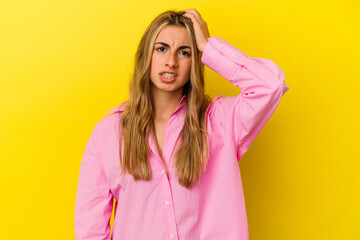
[(161, 208)]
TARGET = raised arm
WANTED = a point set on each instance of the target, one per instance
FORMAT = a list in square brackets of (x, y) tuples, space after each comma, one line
[(262, 85), (261, 82)]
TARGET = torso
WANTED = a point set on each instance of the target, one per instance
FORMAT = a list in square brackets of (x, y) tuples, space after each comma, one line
[(160, 129)]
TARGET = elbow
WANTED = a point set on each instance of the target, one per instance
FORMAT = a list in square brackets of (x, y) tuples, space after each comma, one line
[(279, 79), (282, 87), (280, 90)]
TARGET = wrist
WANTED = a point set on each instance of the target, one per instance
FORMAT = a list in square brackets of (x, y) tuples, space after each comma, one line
[(203, 46)]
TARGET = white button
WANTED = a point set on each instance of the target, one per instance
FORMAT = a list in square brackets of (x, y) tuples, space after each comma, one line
[(167, 202), (172, 235), (220, 46), (163, 171), (233, 54)]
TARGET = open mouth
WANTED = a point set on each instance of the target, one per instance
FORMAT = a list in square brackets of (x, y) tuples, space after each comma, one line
[(167, 77)]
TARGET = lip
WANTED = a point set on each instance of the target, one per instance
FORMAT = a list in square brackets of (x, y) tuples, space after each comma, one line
[(168, 79)]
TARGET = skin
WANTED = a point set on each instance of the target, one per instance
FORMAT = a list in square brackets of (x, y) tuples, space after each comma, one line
[(171, 58), (200, 27)]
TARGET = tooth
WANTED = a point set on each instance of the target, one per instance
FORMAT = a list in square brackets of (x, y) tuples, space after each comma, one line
[(168, 75)]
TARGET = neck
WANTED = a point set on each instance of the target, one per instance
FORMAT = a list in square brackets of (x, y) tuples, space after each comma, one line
[(166, 103)]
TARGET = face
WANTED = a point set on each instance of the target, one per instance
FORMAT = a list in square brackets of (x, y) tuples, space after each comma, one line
[(172, 56)]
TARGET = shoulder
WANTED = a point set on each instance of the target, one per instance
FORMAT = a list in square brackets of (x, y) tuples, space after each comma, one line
[(120, 108), (110, 122)]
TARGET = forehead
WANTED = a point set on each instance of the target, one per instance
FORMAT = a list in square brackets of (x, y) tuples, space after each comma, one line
[(173, 35)]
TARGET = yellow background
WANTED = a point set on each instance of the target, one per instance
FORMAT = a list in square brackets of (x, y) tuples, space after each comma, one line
[(63, 64)]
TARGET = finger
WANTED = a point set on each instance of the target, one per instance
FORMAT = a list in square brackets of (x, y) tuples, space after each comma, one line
[(192, 17), (196, 14)]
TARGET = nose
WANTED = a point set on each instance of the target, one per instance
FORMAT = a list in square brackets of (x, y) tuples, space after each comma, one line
[(171, 61)]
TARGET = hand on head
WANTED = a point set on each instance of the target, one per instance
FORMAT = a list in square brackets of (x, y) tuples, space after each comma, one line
[(200, 27)]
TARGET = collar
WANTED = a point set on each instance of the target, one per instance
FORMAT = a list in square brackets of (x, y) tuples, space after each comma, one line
[(119, 108), (122, 107)]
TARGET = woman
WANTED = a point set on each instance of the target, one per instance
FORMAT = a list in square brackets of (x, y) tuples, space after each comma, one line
[(169, 155)]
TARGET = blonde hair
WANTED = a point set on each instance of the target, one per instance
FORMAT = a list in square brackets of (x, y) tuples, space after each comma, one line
[(137, 119)]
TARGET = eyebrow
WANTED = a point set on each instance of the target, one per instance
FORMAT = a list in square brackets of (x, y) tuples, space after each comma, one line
[(167, 45)]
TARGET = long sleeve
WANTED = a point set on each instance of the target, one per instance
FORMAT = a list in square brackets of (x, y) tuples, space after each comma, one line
[(94, 200), (262, 85)]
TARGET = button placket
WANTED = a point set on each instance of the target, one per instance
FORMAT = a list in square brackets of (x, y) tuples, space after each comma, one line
[(171, 135), (169, 212)]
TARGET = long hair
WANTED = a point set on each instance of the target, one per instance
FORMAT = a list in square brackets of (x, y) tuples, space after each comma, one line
[(137, 120)]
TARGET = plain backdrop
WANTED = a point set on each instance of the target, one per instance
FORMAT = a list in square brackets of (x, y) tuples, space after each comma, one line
[(64, 64)]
